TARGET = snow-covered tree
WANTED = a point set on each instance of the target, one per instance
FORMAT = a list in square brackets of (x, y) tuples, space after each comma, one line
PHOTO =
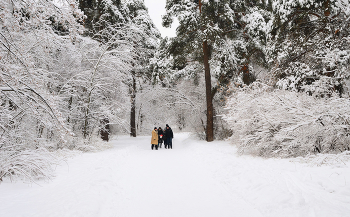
[(223, 37), (101, 14), (202, 25), (180, 104), (59, 87), (145, 40), (32, 33), (95, 94), (107, 18), (309, 45)]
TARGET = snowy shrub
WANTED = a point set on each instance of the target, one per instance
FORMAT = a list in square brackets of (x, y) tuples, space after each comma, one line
[(95, 143), (26, 141), (26, 164), (268, 122), (338, 160)]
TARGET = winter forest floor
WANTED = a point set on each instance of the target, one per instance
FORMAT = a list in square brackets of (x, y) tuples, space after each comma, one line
[(193, 179)]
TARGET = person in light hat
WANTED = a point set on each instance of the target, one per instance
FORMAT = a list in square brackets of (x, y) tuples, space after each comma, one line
[(154, 140)]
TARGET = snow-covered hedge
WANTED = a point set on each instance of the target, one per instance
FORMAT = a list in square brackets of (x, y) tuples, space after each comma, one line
[(279, 123), (27, 164), (30, 162)]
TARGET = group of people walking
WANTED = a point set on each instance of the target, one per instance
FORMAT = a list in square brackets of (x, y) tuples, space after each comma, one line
[(159, 136)]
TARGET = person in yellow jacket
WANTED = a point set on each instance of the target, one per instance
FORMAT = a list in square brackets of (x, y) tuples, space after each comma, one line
[(154, 140)]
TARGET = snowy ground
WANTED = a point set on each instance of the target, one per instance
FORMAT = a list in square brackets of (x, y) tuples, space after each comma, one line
[(193, 179)]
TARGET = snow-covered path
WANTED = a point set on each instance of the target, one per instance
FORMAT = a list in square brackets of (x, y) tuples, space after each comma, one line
[(193, 179)]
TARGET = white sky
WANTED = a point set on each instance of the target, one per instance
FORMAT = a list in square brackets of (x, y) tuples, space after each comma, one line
[(156, 8)]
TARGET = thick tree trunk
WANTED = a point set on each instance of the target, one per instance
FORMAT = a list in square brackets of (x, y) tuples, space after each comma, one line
[(133, 108), (248, 77), (327, 8), (210, 118), (105, 129)]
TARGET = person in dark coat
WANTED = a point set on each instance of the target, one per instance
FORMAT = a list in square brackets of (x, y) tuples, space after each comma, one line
[(160, 137), (169, 136), (164, 139)]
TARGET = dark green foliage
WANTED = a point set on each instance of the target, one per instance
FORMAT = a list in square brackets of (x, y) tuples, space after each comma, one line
[(312, 40), (100, 15)]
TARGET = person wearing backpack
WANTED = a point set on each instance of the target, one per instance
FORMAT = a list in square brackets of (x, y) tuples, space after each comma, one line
[(160, 137)]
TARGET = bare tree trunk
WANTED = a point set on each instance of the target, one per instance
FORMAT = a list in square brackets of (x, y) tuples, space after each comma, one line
[(210, 118), (86, 123), (133, 107), (87, 113)]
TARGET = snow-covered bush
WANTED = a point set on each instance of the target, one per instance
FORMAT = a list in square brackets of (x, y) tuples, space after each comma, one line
[(269, 122), (27, 164), (338, 160)]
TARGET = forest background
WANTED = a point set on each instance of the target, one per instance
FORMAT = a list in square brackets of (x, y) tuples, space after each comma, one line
[(270, 75)]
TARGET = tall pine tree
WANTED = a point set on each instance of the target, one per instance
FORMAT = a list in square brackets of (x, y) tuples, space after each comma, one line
[(204, 27)]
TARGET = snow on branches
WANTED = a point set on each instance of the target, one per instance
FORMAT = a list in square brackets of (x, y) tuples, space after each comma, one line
[(277, 123), (59, 89), (32, 35)]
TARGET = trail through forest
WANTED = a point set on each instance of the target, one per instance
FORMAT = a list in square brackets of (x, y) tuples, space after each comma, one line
[(195, 178)]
